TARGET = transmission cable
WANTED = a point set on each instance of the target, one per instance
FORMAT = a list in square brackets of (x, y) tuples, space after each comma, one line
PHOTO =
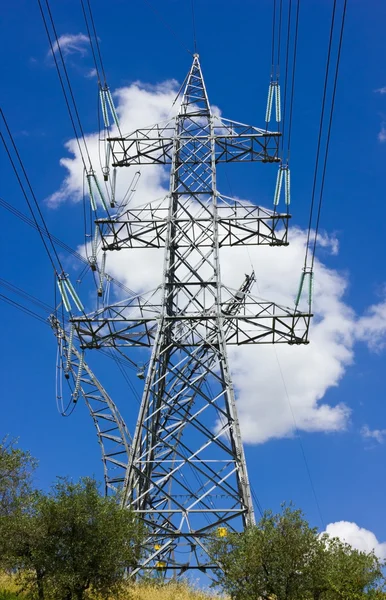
[(53, 52), (45, 232), (279, 38), (328, 134), (326, 78), (32, 194), (273, 38), (27, 296), (300, 442), (16, 290), (23, 309), (58, 47), (293, 79), (286, 74), (96, 40)]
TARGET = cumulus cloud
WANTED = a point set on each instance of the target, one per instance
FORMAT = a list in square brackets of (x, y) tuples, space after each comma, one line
[(375, 434), (358, 537), (70, 43), (263, 396)]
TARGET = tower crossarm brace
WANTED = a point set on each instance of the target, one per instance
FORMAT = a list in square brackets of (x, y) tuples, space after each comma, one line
[(256, 323), (238, 224), (113, 435), (232, 142)]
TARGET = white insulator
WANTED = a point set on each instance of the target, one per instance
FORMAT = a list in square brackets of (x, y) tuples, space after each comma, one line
[(102, 274), (63, 293), (102, 95), (107, 290), (73, 294), (113, 187), (279, 182), (106, 168), (269, 104), (310, 288), (278, 103), (99, 190), (287, 186), (300, 290), (94, 246), (75, 393), (112, 107), (89, 177), (69, 348)]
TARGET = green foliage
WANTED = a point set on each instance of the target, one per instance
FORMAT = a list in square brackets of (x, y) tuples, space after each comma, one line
[(5, 595), (71, 541), (16, 468), (283, 558)]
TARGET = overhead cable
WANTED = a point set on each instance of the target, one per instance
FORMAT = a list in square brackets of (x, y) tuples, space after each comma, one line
[(329, 133)]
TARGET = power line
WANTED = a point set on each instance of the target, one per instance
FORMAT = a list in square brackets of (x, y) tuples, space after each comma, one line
[(91, 44), (326, 78), (273, 38), (329, 132), (20, 215), (53, 51), (300, 442), (279, 39), (96, 40), (293, 78), (47, 308), (23, 309), (16, 290), (286, 73), (23, 217), (21, 164)]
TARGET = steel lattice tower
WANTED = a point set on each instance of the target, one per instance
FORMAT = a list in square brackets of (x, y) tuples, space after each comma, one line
[(185, 472)]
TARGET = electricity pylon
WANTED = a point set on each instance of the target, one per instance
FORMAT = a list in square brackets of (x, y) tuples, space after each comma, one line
[(186, 475)]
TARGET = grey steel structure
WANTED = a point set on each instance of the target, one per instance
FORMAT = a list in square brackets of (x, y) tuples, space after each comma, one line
[(186, 473), (113, 436)]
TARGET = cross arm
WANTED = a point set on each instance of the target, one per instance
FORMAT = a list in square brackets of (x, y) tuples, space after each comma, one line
[(255, 323), (238, 224), (234, 142)]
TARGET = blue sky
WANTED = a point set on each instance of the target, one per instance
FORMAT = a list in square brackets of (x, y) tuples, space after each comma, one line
[(234, 45)]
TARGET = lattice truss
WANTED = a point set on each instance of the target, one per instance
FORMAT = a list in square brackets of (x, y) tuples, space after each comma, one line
[(186, 474)]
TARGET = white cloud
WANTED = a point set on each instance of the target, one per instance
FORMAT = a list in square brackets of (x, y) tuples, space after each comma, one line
[(382, 133), (70, 43), (358, 537), (309, 371), (91, 73), (381, 90), (375, 434), (371, 328)]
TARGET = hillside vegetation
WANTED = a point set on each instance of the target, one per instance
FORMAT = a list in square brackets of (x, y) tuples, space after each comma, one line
[(9, 590)]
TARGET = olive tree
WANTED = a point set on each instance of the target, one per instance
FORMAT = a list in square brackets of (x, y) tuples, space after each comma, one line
[(283, 558)]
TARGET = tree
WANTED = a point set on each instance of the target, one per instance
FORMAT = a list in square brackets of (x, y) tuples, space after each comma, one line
[(73, 540), (16, 469), (283, 558), (351, 573)]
